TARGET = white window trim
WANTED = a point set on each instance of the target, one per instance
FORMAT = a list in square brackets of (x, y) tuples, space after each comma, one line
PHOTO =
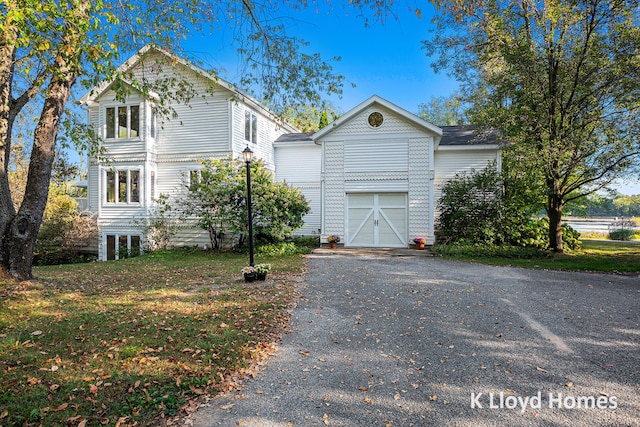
[(128, 106), (117, 243), (117, 202), (253, 127)]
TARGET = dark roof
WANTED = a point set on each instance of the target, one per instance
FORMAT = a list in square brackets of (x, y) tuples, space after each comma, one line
[(296, 137), (469, 135)]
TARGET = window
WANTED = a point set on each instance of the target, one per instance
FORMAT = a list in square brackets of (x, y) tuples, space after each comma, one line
[(122, 186), (250, 127), (153, 184), (152, 130), (123, 122), (127, 246)]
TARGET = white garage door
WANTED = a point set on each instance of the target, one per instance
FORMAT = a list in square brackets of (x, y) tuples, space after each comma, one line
[(377, 220)]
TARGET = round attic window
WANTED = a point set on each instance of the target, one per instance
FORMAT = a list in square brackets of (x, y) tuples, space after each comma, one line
[(375, 119)]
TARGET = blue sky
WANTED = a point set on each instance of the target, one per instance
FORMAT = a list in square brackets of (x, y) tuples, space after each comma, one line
[(384, 59)]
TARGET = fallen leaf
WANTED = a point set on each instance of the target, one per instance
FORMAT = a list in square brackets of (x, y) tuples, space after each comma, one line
[(367, 401), (433, 398), (539, 369), (569, 384), (35, 333), (196, 390), (304, 352), (60, 408), (93, 389)]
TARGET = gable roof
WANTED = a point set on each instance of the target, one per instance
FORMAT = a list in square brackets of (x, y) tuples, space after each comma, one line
[(240, 95), (375, 99)]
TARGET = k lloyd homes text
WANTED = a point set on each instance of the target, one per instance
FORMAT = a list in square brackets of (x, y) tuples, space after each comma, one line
[(540, 401), (373, 176)]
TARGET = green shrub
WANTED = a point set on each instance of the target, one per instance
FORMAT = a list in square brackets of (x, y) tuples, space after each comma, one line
[(281, 249), (490, 251), (306, 241), (622, 234), (471, 208)]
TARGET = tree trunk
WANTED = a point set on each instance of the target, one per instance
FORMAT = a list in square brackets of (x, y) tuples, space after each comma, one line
[(554, 212), (7, 211), (20, 236)]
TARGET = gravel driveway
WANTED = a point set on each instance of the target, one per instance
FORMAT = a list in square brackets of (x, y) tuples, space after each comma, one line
[(381, 340)]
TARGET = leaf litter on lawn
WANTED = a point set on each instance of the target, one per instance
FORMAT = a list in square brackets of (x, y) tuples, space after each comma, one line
[(104, 343)]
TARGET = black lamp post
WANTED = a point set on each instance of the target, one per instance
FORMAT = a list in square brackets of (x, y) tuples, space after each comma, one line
[(247, 154)]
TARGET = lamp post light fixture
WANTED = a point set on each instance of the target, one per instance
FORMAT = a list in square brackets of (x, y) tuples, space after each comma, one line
[(247, 154)]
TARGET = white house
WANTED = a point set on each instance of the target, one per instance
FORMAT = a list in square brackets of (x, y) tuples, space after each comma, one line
[(372, 176)]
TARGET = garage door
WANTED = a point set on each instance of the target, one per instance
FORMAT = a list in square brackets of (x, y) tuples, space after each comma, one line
[(377, 220)]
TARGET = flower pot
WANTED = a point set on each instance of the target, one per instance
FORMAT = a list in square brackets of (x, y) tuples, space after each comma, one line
[(261, 276), (333, 245), (420, 246), (250, 277)]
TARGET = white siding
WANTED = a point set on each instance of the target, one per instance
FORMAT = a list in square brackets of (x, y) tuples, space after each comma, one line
[(451, 162), (379, 156), (361, 159), (358, 126), (200, 128), (299, 165)]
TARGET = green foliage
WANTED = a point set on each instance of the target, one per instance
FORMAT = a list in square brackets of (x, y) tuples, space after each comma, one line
[(471, 208), (64, 231), (324, 120), (218, 201), (600, 255), (611, 205), (622, 234), (444, 110), (282, 249), (559, 80), (309, 118), (491, 209), (490, 251)]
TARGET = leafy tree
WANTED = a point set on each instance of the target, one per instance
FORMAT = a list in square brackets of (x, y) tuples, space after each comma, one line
[(490, 208), (46, 46), (560, 79), (309, 118), (218, 202), (324, 120), (444, 110)]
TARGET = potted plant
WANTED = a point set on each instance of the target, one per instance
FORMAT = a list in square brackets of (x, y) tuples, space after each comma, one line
[(249, 274), (333, 240), (262, 270), (420, 242)]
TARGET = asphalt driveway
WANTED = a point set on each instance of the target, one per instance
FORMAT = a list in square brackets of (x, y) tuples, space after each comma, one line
[(380, 340)]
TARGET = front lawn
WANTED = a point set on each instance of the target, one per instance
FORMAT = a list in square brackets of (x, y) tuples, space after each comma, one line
[(128, 342), (595, 255)]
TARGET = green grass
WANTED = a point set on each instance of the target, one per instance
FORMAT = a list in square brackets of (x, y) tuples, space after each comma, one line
[(595, 255), (134, 340)]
